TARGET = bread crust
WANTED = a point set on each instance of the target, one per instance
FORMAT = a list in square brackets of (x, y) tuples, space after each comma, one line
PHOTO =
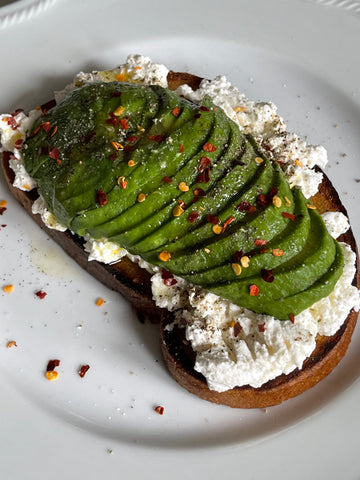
[(134, 284)]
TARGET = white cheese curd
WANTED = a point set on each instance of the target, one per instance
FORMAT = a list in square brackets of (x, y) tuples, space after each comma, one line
[(140, 69), (336, 223), (137, 69), (39, 207), (109, 252), (233, 346), (23, 181), (13, 131), (103, 251)]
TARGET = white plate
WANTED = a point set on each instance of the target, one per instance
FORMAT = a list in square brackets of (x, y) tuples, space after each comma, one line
[(302, 56), (17, 11)]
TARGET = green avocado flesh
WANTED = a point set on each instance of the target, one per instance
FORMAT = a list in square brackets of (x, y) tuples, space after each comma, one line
[(180, 185)]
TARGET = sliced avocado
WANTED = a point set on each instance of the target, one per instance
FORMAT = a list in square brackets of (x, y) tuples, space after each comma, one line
[(295, 304), (266, 225), (163, 198), (222, 202), (297, 274), (268, 255), (232, 150), (109, 161), (164, 159)]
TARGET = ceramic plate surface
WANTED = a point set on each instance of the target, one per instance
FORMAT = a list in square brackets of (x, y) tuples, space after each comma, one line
[(18, 11), (299, 54)]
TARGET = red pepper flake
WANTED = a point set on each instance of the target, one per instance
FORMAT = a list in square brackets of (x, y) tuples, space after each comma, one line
[(212, 219), (182, 203), (262, 327), (204, 109), (197, 115), (46, 126), (112, 157), (55, 129), (290, 216), (117, 145), (209, 147), (124, 123), (204, 176), (18, 143), (168, 278), (47, 106), (166, 179), (193, 216), (112, 120), (274, 191), (254, 290), (259, 242), (237, 329), (12, 123), (267, 275), (182, 148), (205, 163), (83, 369), (55, 154), (2, 210), (238, 255), (245, 206), (115, 94), (132, 138), (100, 302), (101, 197), (157, 138), (262, 200), (198, 192), (292, 317), (52, 375), (41, 294), (176, 111), (160, 410), (122, 182), (52, 364), (227, 223)]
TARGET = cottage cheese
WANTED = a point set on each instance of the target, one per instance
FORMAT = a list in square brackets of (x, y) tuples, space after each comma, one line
[(253, 356)]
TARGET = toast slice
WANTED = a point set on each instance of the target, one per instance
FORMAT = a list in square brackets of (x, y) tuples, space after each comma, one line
[(134, 284)]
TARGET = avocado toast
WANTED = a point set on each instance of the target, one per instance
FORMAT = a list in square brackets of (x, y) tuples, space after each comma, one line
[(177, 184)]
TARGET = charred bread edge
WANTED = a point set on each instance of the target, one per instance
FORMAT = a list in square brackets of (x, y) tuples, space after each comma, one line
[(134, 284)]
